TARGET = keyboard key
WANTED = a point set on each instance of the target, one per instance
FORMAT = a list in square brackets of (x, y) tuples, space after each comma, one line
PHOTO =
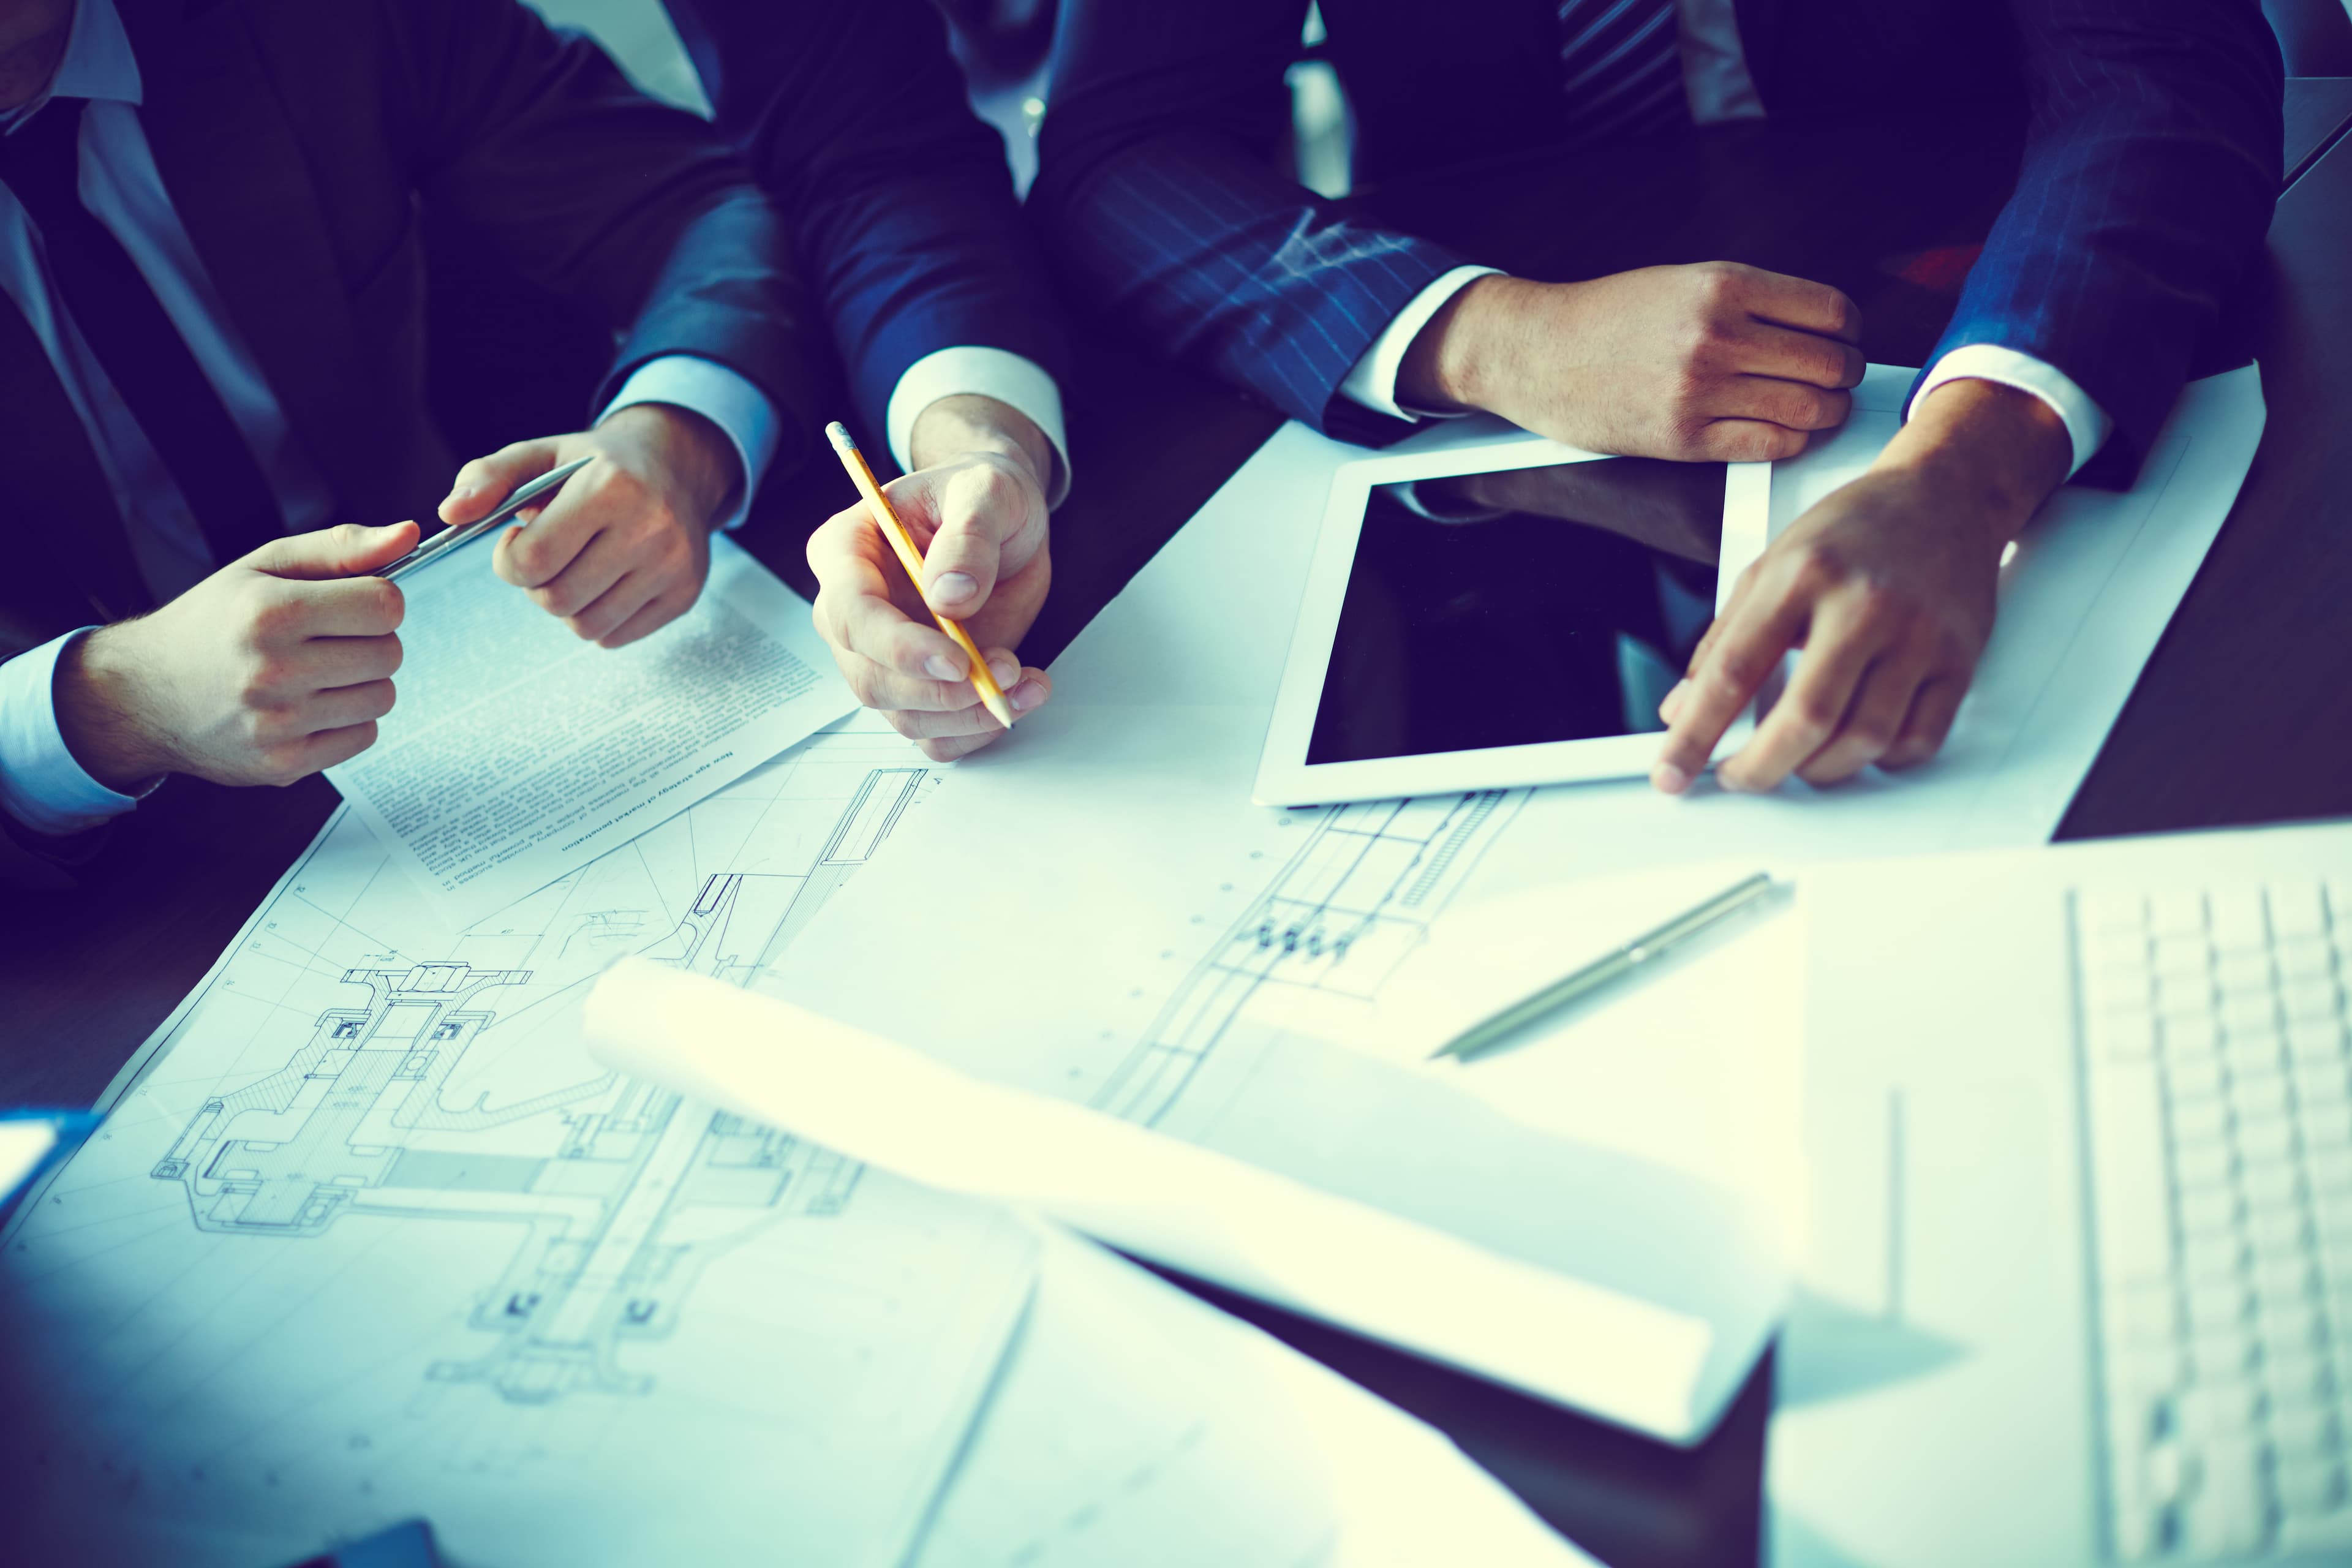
[(2184, 993), (2310, 1487), (2277, 1230), (2197, 1121), (2269, 1143), (2328, 1167), (2229, 1511), (2224, 1354), (2205, 1165), (2260, 1096), (2303, 959), (2306, 1434), (2209, 1211), (2296, 910), (2295, 1380), (2127, 1158), (2192, 1078), (2189, 1036), (2244, 973), (2233, 916), (2269, 1184), (2214, 1256), (2177, 914), (2310, 991), (2215, 1411), (2284, 1281), (2218, 1304), (2315, 1041), (2142, 1316)]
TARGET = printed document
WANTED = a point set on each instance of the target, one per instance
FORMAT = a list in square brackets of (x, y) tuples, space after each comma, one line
[(519, 753)]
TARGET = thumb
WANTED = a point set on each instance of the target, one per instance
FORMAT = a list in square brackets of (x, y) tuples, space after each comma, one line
[(980, 508), (344, 551), (485, 482)]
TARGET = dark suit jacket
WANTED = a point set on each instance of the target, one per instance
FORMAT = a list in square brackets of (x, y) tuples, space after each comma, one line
[(298, 140), (900, 203), (2152, 159)]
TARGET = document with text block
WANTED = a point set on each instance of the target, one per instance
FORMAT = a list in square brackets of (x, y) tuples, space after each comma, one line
[(519, 753)]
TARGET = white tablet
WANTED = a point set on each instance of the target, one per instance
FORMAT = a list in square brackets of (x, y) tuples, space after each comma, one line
[(1504, 613)]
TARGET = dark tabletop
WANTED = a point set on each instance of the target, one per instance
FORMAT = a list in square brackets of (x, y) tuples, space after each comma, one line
[(2240, 717)]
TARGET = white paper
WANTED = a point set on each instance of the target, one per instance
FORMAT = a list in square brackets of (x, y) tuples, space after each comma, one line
[(1155, 930), (369, 1235), (1136, 1426), (1193, 1208), (518, 752)]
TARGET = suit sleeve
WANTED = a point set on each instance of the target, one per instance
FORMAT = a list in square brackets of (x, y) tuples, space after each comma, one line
[(1159, 193), (898, 199), (634, 211), (2151, 161)]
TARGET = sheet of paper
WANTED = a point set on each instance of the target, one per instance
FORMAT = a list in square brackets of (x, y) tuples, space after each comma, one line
[(518, 752), (368, 1236), (1135, 1425), (1618, 1354), (1166, 927)]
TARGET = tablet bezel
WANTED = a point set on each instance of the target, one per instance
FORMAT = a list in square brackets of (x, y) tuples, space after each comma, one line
[(1285, 777)]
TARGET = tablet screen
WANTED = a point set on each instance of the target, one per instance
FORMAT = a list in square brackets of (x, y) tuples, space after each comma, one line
[(1520, 606)]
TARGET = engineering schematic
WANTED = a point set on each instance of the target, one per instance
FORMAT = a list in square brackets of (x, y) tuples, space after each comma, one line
[(1339, 916), (631, 1191)]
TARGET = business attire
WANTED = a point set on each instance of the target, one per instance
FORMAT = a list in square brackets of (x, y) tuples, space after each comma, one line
[(211, 298), (900, 203), (2151, 161)]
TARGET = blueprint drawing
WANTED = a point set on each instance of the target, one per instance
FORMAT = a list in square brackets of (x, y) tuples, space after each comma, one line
[(368, 1235)]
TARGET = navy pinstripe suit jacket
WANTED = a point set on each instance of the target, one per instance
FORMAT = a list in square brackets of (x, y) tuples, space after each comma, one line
[(2152, 159), (902, 212)]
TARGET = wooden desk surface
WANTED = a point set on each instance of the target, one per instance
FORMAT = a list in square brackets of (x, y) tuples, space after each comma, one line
[(2240, 717)]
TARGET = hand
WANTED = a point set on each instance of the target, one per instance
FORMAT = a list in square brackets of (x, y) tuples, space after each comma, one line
[(1888, 585), (271, 668), (1710, 363), (623, 547), (976, 507)]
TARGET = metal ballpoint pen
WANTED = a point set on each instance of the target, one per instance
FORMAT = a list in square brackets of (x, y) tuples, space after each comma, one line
[(1607, 970)]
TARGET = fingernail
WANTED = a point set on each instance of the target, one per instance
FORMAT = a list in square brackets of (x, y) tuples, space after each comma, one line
[(953, 588), (1670, 778), (940, 667), (1025, 696), (1006, 670), (1672, 700)]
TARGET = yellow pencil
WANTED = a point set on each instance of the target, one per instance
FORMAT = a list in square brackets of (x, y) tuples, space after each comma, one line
[(911, 558)]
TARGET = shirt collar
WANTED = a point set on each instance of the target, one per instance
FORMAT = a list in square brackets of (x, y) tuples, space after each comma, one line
[(98, 64)]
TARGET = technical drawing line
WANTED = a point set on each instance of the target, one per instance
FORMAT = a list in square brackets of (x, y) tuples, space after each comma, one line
[(1339, 916)]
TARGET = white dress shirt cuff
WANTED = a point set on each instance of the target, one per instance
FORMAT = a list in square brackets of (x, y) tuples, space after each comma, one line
[(705, 386), (971, 371), (1374, 381), (2088, 424), (41, 785)]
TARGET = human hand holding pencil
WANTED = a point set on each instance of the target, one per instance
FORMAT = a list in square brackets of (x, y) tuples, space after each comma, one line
[(924, 587)]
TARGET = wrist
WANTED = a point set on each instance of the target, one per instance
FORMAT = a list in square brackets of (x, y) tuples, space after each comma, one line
[(1455, 360), (1995, 448), (694, 453), (968, 423), (100, 696)]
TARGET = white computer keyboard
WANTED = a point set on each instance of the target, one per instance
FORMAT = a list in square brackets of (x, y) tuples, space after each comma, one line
[(2219, 1093)]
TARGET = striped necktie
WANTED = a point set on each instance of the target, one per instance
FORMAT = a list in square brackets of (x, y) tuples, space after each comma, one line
[(1622, 67)]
